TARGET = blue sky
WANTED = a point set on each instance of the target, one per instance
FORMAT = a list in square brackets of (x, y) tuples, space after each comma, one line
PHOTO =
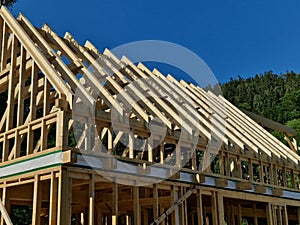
[(234, 37)]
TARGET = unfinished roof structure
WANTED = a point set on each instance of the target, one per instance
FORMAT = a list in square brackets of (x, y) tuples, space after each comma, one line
[(88, 138)]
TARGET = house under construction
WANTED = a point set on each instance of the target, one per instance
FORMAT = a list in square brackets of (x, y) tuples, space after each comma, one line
[(79, 146)]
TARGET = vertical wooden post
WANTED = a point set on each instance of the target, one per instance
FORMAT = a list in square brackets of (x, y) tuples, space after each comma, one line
[(4, 201), (33, 91), (261, 169), (239, 167), (298, 214), (29, 147), (150, 149), (214, 210), (37, 201), (61, 125), (271, 173), (185, 209), (92, 200), (227, 165), (11, 85), (109, 141), (173, 200), (181, 207), (194, 159), (250, 169), (131, 145), (155, 206), (220, 208), (64, 198), (2, 26), (53, 200), (280, 214), (3, 46), (178, 154), (115, 201), (221, 162), (199, 207), (285, 215), (5, 148), (284, 176), (17, 144), (255, 214), (136, 207), (20, 115), (44, 138), (161, 153), (269, 214), (46, 103)]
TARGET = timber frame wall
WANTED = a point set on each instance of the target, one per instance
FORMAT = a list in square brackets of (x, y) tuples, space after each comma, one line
[(253, 176)]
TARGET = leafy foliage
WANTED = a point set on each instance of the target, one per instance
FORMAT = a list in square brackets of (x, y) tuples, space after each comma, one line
[(21, 214)]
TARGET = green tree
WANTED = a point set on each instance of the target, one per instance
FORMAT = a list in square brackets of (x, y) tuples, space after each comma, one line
[(276, 97)]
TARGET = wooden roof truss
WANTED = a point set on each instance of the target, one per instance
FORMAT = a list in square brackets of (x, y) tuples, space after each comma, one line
[(44, 76)]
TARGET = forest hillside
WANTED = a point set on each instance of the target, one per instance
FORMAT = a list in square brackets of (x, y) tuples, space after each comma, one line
[(276, 97)]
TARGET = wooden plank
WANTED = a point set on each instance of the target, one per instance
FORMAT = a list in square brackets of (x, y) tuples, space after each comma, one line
[(22, 69), (2, 23), (46, 93), (131, 145), (147, 105), (255, 214), (4, 202), (33, 92), (38, 57), (115, 201), (4, 214), (92, 200), (220, 209), (264, 135), (37, 201), (205, 117), (64, 198), (136, 205), (174, 198), (3, 45), (185, 207), (11, 85), (285, 215), (156, 202), (53, 200), (199, 207), (219, 119), (214, 209)]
